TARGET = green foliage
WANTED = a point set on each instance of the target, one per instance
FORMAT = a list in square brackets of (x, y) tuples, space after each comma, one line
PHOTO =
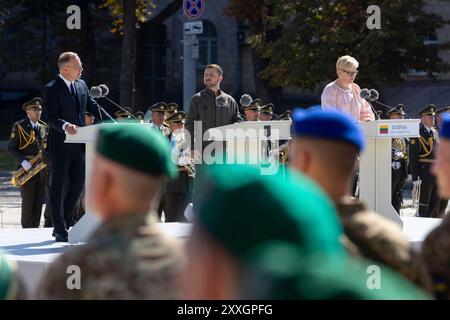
[(33, 33), (143, 11), (316, 32)]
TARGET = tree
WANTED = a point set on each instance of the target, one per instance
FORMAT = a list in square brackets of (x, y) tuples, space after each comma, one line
[(316, 33), (258, 14), (130, 16)]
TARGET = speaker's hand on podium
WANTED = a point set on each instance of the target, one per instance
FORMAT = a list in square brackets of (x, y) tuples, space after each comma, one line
[(71, 129)]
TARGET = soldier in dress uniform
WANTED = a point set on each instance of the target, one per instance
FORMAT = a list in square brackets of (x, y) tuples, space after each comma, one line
[(251, 111), (122, 115), (266, 112), (27, 140), (158, 111), (172, 107), (158, 116), (139, 116), (399, 162), (178, 193), (127, 257), (421, 157)]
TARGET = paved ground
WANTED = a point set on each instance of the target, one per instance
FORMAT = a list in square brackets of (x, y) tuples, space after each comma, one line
[(10, 203)]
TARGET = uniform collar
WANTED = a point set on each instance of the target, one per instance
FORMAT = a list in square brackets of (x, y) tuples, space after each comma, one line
[(125, 223)]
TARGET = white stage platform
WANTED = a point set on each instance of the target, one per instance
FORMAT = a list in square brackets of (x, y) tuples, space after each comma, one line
[(35, 249)]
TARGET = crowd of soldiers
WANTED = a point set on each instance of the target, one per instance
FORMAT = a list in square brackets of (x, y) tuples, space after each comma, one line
[(305, 237), (28, 140)]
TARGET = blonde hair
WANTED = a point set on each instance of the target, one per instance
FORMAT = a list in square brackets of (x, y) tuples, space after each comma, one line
[(346, 62)]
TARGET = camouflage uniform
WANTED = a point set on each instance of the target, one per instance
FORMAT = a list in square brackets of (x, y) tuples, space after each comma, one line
[(436, 253), (125, 258), (378, 239)]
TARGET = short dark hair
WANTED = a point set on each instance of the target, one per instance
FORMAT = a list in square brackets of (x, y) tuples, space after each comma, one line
[(215, 66)]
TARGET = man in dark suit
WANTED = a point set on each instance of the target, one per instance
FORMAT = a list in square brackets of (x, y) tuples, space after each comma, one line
[(66, 100)]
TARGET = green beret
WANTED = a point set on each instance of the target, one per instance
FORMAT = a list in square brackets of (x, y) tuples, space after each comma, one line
[(33, 103), (280, 271), (242, 209), (137, 147)]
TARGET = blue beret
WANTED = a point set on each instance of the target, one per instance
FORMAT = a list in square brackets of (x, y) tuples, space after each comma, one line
[(329, 124), (445, 128)]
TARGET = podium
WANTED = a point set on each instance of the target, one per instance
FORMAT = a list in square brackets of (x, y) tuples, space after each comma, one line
[(88, 135), (252, 142), (375, 163)]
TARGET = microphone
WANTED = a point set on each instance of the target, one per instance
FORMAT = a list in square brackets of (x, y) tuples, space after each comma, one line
[(366, 94), (104, 91), (96, 92), (246, 99), (374, 95)]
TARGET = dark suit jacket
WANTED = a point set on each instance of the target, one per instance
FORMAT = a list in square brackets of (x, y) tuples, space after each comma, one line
[(60, 107)]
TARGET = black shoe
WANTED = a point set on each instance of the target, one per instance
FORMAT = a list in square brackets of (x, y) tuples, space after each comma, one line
[(53, 234), (61, 238)]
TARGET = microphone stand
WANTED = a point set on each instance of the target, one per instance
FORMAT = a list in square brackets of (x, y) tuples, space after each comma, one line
[(389, 107), (123, 109), (107, 114)]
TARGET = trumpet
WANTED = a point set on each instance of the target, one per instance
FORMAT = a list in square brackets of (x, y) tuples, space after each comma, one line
[(21, 176)]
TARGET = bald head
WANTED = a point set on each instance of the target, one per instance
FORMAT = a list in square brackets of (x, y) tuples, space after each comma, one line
[(115, 189), (330, 163)]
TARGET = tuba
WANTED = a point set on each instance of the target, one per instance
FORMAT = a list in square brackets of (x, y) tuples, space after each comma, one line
[(21, 176)]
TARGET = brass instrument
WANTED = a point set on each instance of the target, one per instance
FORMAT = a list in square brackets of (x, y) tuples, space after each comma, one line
[(416, 196), (21, 176), (398, 149)]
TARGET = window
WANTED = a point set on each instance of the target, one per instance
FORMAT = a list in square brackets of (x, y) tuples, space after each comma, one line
[(207, 45)]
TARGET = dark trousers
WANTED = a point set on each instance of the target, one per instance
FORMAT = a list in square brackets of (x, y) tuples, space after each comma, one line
[(32, 193), (429, 200), (67, 184), (48, 221), (398, 182), (176, 204), (442, 207)]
